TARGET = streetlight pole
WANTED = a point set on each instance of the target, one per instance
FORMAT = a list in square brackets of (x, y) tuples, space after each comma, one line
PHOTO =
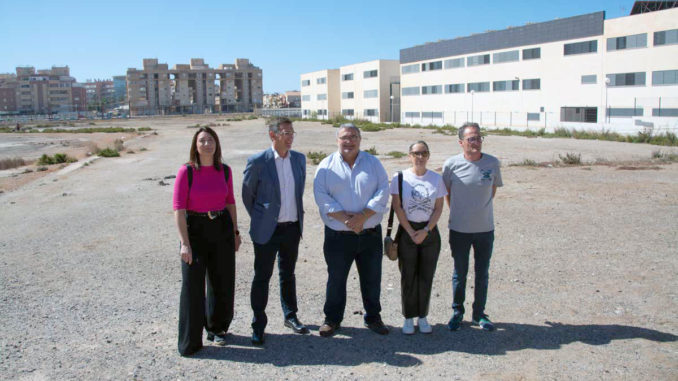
[(607, 111), (472, 92)]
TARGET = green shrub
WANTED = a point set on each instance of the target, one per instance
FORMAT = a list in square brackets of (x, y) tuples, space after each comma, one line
[(525, 163), (316, 157), (142, 129), (396, 154), (372, 150), (667, 157), (108, 152), (58, 158), (41, 169), (571, 158)]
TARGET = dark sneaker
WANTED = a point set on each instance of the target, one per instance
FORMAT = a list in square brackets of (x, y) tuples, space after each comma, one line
[(296, 325), (377, 327), (455, 323), (484, 323), (217, 338), (328, 329)]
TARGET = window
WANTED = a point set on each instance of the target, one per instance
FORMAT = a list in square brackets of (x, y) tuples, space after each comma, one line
[(512, 85), (305, 82), (306, 112), (664, 77), (454, 63), (347, 77), (306, 98), (580, 47), (408, 69), (371, 112), (482, 59), (410, 91), (665, 112), (347, 95), (321, 81), (531, 54), (579, 114), (588, 79), (454, 88), (435, 89), (347, 112), (533, 116), (621, 112), (627, 42), (321, 97), (370, 74), (371, 94), (414, 114), (513, 55), (626, 79), (666, 37), (478, 87), (436, 65), (531, 84), (431, 114)]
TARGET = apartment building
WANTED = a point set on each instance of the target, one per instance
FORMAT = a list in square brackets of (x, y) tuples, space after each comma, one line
[(43, 92), (320, 94), (194, 87), (367, 90), (99, 91), (576, 72), (120, 87), (370, 90)]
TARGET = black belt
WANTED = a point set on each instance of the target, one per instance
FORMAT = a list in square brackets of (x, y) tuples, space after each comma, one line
[(287, 224), (212, 214), (351, 232)]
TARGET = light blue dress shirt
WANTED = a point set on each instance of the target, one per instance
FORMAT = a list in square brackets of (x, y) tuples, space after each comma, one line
[(338, 187)]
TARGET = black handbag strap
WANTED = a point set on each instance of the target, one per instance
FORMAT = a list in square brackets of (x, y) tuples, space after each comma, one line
[(389, 226)]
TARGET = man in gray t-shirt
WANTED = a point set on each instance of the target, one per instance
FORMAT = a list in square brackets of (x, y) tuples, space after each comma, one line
[(471, 178)]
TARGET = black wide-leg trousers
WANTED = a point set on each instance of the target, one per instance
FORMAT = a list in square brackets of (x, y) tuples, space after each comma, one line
[(213, 246)]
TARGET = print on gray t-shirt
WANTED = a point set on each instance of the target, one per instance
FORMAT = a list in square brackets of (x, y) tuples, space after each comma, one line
[(470, 187)]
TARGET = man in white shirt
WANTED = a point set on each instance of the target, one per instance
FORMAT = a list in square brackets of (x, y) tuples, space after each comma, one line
[(351, 190), (272, 191)]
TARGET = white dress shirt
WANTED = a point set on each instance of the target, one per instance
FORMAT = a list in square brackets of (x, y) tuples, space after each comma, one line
[(288, 203)]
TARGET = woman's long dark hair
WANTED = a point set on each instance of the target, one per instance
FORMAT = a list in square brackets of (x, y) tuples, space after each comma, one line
[(194, 157)]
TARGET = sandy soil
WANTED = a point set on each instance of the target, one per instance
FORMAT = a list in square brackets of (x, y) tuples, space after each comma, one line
[(582, 282)]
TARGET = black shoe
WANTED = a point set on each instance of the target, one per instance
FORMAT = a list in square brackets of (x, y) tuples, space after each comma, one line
[(296, 325), (377, 327), (258, 336), (328, 329), (217, 338)]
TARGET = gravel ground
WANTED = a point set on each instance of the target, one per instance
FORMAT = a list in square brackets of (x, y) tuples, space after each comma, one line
[(582, 282)]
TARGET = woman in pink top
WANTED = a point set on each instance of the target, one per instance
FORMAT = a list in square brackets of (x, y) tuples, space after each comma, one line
[(205, 214)]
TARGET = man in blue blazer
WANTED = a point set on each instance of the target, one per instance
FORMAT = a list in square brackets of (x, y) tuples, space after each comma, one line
[(272, 191)]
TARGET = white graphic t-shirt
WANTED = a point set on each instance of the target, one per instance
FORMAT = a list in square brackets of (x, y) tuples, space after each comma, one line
[(419, 193)]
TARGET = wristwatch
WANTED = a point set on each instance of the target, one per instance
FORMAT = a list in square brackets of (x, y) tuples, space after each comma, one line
[(426, 229)]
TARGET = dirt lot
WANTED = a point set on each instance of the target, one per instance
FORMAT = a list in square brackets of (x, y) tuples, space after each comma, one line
[(582, 281)]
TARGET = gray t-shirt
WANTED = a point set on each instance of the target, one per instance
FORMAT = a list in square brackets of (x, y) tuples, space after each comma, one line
[(470, 187)]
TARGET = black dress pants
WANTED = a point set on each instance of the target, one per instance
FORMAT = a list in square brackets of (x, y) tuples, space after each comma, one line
[(285, 245), (417, 265), (213, 245)]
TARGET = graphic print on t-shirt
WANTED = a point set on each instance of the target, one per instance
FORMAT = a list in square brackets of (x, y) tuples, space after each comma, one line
[(487, 173), (420, 199)]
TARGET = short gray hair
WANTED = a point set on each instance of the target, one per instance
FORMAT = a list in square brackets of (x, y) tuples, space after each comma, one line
[(352, 126), (464, 126), (274, 124)]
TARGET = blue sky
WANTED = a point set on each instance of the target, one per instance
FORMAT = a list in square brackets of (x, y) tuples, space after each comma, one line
[(99, 39)]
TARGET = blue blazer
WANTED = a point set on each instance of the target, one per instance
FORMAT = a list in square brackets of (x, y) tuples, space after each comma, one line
[(261, 192)]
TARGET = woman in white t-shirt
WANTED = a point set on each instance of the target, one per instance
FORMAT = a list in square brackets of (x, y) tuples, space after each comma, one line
[(418, 238)]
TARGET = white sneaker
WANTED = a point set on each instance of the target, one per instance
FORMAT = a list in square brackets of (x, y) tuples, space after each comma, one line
[(424, 327), (408, 327)]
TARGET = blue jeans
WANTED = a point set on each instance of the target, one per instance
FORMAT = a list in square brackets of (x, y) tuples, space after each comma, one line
[(460, 244), (341, 249)]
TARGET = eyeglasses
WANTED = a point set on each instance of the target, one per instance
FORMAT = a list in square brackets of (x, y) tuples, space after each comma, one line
[(347, 138), (287, 134), (419, 153), (474, 139)]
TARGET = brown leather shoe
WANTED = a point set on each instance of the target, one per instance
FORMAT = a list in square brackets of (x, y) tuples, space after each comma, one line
[(328, 329)]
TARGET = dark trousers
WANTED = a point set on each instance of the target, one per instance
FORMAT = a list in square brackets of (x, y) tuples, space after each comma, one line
[(341, 249), (285, 244), (213, 247), (417, 265), (460, 244)]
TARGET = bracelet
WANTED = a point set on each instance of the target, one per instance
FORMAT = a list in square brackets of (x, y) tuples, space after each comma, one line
[(237, 232)]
